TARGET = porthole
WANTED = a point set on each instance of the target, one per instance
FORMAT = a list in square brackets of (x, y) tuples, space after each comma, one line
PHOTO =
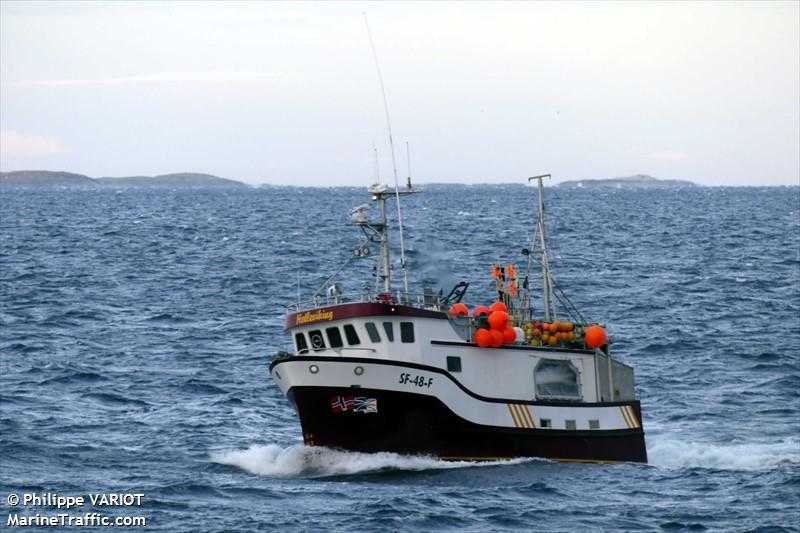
[(313, 369), (359, 370)]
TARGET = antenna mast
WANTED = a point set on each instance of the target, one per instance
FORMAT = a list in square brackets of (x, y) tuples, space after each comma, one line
[(408, 166), (394, 162), (546, 286), (377, 165)]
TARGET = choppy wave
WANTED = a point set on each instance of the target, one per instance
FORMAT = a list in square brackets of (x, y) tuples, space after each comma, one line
[(672, 452), (300, 460)]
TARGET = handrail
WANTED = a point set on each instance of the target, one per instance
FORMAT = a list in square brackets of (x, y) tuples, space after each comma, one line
[(416, 299)]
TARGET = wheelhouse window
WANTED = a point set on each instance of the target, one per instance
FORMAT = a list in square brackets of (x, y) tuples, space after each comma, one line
[(388, 327), (556, 379), (372, 331), (300, 343), (351, 335), (334, 337), (407, 331), (317, 342)]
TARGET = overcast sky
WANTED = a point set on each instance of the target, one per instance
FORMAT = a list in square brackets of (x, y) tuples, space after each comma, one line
[(287, 93)]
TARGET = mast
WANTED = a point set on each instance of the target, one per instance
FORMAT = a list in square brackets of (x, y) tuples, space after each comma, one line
[(546, 285), (408, 163), (377, 165), (387, 267), (380, 193), (394, 161)]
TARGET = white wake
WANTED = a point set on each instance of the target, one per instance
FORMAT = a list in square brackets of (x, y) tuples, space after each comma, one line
[(670, 452), (314, 461)]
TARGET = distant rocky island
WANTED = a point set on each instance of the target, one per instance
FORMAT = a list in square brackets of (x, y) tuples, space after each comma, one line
[(639, 180), (36, 178)]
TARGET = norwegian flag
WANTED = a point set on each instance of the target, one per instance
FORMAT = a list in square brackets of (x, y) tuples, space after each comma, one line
[(342, 403)]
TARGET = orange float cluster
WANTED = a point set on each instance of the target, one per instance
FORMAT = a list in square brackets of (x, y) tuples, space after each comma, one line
[(496, 317), (459, 309), (564, 334), (550, 334), (500, 330)]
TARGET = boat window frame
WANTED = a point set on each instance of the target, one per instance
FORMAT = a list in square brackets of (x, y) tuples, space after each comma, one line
[(300, 340), (388, 327), (334, 341), (407, 332), (372, 331), (311, 335), (351, 335), (453, 363), (564, 363)]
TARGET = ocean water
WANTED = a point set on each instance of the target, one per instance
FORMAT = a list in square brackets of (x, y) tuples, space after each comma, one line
[(136, 327)]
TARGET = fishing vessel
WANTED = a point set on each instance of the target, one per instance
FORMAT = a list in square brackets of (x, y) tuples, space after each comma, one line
[(389, 370)]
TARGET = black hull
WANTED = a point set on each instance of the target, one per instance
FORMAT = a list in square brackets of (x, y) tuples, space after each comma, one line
[(416, 424)]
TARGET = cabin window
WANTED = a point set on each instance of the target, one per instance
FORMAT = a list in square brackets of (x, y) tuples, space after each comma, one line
[(407, 331), (352, 336), (570, 424), (545, 423), (334, 337), (317, 342), (388, 327), (300, 342), (372, 331), (594, 424), (453, 363), (557, 379)]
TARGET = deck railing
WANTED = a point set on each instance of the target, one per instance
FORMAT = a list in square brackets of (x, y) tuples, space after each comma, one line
[(425, 300)]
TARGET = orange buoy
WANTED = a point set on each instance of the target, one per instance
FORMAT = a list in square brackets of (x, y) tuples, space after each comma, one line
[(595, 337), (509, 335), (498, 320), (555, 326), (553, 340), (498, 306), (497, 338), (570, 326), (480, 310), (545, 326), (459, 309), (510, 272), (545, 338), (483, 338)]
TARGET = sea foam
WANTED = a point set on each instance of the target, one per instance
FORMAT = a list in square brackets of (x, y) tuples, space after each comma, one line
[(306, 461), (671, 452)]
